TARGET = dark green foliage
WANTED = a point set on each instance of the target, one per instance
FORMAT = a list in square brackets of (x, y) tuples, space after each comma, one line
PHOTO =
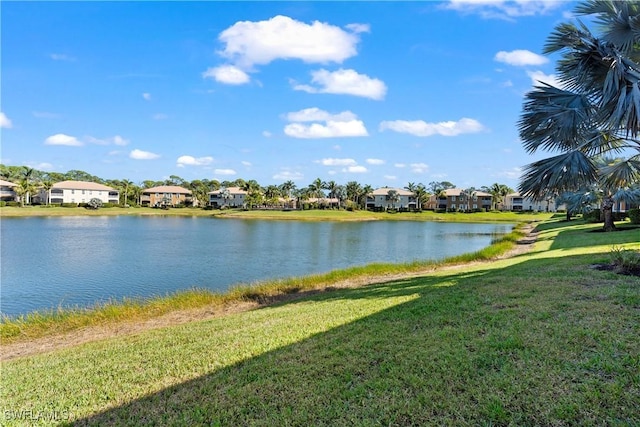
[(634, 216)]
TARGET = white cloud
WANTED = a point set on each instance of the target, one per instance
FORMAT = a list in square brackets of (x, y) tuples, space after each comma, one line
[(245, 163), (315, 114), (61, 57), (539, 76), (115, 140), (224, 172), (146, 96), (286, 175), (192, 161), (375, 161), (400, 165), (421, 128), (62, 139), (419, 167), (347, 82), (520, 58), (344, 124), (143, 155), (45, 115), (45, 166), (247, 43), (513, 173), (5, 122), (329, 130), (504, 9), (267, 134), (227, 74), (355, 169), (358, 28), (337, 162), (160, 116)]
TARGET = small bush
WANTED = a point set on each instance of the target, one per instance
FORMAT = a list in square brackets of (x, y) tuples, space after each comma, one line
[(3, 203), (626, 261), (14, 204), (69, 205), (634, 216)]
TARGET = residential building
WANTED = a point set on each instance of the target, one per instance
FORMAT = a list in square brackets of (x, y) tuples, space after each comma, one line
[(165, 196), (516, 202), (79, 192), (379, 199), (236, 197), (455, 199), (7, 191)]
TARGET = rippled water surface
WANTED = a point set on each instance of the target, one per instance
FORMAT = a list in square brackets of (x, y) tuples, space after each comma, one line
[(69, 261)]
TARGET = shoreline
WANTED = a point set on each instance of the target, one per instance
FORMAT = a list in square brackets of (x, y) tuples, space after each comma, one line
[(29, 346)]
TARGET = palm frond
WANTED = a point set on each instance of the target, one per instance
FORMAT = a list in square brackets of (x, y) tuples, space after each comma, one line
[(561, 173), (553, 118), (621, 174)]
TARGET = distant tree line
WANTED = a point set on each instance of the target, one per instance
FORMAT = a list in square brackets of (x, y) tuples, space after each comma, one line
[(351, 195)]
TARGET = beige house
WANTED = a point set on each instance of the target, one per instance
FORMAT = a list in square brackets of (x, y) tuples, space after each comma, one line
[(7, 192), (79, 192), (379, 199), (165, 196), (455, 199), (233, 197)]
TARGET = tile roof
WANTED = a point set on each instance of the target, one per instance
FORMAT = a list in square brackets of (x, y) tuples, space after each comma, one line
[(82, 185), (7, 183), (166, 189)]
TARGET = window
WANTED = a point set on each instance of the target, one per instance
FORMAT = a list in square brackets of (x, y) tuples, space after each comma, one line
[(475, 206), (453, 206), (82, 191), (453, 199), (73, 191)]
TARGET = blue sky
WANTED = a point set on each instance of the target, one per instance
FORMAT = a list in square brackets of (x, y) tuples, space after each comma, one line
[(383, 93)]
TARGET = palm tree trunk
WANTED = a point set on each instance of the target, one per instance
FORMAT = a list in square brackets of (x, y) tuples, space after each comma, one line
[(607, 210)]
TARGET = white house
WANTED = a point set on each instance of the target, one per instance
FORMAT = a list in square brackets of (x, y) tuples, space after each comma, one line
[(7, 191), (516, 202), (379, 198), (454, 199), (236, 197), (79, 192)]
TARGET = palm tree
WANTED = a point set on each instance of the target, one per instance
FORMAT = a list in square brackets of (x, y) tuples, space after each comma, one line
[(595, 112), (421, 194), (125, 185), (498, 192), (364, 195), (47, 185), (287, 188), (23, 190), (394, 197)]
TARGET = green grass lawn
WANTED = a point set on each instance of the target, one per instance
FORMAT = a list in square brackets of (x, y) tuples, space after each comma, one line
[(537, 339)]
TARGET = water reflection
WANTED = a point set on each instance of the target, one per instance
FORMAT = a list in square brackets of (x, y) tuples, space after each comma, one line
[(50, 262)]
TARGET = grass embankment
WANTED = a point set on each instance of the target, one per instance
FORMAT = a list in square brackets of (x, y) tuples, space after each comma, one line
[(309, 215), (536, 339)]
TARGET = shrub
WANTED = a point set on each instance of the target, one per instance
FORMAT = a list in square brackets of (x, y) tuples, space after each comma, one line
[(634, 216), (14, 204), (626, 261), (2, 203), (69, 205), (94, 203), (592, 216)]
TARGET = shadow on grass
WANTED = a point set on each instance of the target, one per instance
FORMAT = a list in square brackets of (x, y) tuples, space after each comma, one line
[(587, 235), (513, 346)]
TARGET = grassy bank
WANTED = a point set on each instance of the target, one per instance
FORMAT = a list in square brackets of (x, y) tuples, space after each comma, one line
[(537, 339), (309, 215)]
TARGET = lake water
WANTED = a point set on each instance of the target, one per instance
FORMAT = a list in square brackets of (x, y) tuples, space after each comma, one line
[(78, 261)]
